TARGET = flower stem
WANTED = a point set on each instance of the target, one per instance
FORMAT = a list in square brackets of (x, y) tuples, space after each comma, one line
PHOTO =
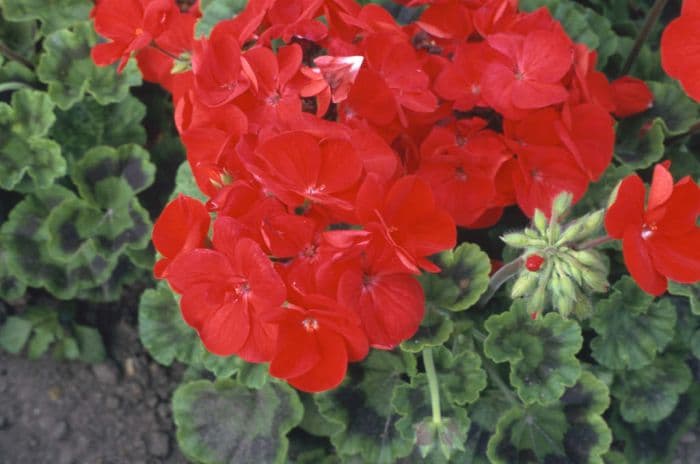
[(165, 52), (432, 384), (644, 32), (595, 242), (14, 56), (500, 277)]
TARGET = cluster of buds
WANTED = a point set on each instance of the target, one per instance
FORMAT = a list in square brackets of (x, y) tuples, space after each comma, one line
[(560, 269)]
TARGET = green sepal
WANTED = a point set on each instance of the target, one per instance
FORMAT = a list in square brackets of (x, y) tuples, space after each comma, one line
[(162, 330), (88, 124), (571, 430), (226, 422), (463, 279), (541, 353), (53, 15), (215, 11), (631, 327), (651, 393), (361, 419), (109, 178), (68, 69)]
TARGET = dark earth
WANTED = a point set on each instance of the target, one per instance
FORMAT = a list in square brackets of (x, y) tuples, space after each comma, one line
[(75, 413)]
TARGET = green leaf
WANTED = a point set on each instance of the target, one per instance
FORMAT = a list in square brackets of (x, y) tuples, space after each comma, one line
[(631, 329), (581, 24), (25, 236), (110, 178), (639, 142), (28, 161), (214, 11), (92, 350), (362, 421), (162, 330), (541, 353), (434, 330), (88, 124), (14, 333), (225, 422), (463, 279), (570, 430), (33, 113), (53, 14), (677, 111), (185, 184), (11, 288), (690, 291), (460, 375), (68, 69), (651, 393)]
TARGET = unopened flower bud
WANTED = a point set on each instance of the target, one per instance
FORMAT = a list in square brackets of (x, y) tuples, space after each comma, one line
[(516, 240), (524, 284), (539, 220)]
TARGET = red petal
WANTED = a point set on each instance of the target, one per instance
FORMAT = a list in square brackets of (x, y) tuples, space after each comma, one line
[(297, 352), (678, 258), (639, 263), (661, 187), (627, 209), (330, 370), (225, 330)]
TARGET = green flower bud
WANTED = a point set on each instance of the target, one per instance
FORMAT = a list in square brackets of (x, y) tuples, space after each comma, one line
[(595, 280), (561, 205), (516, 240), (539, 220), (524, 284)]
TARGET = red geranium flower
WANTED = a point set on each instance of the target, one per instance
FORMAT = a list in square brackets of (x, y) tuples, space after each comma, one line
[(130, 25), (316, 339), (224, 290), (660, 241), (680, 48)]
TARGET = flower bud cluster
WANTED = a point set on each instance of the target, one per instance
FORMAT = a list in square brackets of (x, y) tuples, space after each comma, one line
[(559, 272)]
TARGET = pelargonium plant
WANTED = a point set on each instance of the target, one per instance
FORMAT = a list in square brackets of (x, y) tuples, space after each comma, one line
[(337, 153)]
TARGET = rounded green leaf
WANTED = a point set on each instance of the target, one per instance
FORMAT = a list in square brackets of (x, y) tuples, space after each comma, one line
[(14, 334), (88, 124), (433, 331), (360, 416), (463, 279), (215, 11), (460, 375), (68, 69), (571, 430), (631, 329), (161, 329), (651, 393), (541, 353), (52, 14), (690, 291), (110, 177), (224, 422), (639, 142)]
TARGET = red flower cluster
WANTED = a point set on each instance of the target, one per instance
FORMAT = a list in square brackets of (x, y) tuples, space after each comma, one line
[(680, 48), (326, 135), (660, 241)]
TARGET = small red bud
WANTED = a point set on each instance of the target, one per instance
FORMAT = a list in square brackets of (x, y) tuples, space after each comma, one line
[(534, 315), (533, 263)]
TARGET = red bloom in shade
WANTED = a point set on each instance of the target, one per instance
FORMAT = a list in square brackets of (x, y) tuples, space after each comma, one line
[(631, 96), (130, 25), (182, 226), (224, 290), (680, 48), (316, 339), (220, 72), (297, 166), (529, 72), (408, 219), (661, 241)]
